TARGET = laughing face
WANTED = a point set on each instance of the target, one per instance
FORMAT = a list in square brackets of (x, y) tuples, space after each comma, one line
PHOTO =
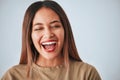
[(47, 34)]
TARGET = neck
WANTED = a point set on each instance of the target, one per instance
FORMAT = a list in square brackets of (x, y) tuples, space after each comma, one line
[(50, 62)]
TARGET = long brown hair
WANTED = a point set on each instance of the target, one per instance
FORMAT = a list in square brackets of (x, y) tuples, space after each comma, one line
[(29, 53)]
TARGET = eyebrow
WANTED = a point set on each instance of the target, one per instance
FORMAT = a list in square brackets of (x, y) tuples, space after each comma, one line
[(55, 21)]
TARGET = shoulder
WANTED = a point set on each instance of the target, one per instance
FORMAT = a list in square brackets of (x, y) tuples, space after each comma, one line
[(85, 70), (15, 72), (82, 65), (17, 68)]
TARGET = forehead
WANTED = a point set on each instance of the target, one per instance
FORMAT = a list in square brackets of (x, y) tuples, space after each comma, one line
[(45, 15)]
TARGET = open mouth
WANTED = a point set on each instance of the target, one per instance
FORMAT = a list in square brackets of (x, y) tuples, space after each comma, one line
[(49, 46)]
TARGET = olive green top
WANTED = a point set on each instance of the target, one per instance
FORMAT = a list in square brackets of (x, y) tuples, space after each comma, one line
[(76, 71)]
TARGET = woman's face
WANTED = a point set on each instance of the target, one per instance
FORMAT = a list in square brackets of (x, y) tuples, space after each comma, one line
[(47, 34)]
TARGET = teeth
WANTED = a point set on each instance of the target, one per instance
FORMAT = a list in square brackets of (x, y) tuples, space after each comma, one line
[(48, 43)]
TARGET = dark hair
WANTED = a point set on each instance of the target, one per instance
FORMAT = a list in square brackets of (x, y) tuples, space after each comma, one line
[(29, 53)]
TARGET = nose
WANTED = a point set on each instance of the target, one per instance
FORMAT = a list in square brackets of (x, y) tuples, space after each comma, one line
[(48, 33)]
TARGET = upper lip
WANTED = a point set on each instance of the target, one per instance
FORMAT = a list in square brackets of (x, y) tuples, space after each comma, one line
[(48, 42)]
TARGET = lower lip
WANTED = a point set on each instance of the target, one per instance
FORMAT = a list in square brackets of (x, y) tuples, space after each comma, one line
[(50, 50)]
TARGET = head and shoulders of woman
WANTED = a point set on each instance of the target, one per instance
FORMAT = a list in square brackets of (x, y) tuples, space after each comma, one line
[(47, 32)]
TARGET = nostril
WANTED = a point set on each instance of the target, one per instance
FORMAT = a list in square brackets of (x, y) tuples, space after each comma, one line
[(49, 35)]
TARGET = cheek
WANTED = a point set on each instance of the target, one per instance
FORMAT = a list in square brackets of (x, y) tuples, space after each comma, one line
[(61, 34), (35, 38)]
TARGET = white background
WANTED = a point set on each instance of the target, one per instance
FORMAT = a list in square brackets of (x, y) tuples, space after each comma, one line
[(96, 28)]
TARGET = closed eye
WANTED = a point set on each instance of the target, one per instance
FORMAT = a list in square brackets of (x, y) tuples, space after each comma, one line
[(56, 26), (39, 28)]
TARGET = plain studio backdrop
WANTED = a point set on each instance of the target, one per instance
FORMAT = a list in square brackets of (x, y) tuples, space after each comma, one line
[(95, 25)]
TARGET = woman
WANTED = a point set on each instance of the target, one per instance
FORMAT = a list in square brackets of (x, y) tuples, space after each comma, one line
[(48, 47)]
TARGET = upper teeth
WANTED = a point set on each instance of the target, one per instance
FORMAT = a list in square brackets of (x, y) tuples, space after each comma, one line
[(48, 43)]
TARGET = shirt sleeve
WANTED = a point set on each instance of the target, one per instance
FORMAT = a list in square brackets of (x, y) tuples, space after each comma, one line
[(17, 72), (93, 74), (7, 76)]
